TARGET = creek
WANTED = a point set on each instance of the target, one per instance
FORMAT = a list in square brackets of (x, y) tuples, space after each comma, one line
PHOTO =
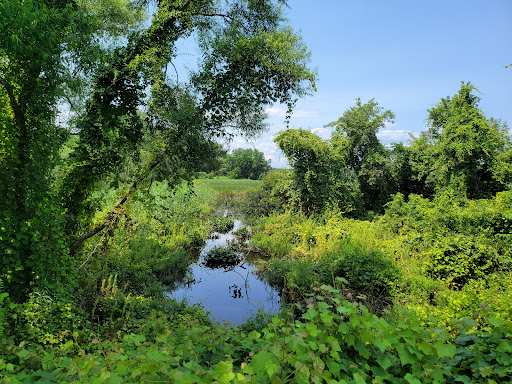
[(230, 293)]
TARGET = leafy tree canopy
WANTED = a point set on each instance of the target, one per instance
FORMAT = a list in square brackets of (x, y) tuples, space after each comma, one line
[(320, 174), (462, 150), (247, 164), (366, 155)]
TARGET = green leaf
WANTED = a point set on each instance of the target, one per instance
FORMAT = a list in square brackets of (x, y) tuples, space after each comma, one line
[(260, 359), (411, 379), (271, 367), (358, 379), (384, 361), (445, 350), (404, 355)]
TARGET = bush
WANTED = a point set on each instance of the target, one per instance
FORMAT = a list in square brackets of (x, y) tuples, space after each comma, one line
[(221, 257), (223, 224), (458, 259), (273, 196), (45, 319), (145, 265), (369, 272)]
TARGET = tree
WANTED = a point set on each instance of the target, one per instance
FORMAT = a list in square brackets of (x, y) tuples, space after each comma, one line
[(49, 49), (321, 177), (248, 60), (247, 164), (214, 161), (39, 41), (366, 156), (462, 150)]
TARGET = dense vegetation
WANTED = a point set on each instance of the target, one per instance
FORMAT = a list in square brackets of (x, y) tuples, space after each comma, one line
[(394, 263), (239, 164)]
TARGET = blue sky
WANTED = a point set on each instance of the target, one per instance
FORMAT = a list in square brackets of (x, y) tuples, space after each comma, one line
[(405, 54)]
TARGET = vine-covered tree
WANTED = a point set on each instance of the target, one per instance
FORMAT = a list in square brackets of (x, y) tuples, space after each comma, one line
[(321, 177), (463, 151), (366, 156), (47, 49)]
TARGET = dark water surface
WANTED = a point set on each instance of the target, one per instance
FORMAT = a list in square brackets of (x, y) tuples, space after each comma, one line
[(230, 294)]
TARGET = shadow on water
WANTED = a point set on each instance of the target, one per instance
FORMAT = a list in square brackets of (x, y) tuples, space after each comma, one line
[(229, 292)]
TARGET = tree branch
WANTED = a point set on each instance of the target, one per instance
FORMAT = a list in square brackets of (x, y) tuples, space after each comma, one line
[(112, 215)]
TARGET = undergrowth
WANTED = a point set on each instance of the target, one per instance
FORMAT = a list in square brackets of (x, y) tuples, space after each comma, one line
[(333, 341)]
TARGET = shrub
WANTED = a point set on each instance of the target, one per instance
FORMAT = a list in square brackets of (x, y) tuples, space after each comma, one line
[(146, 265), (221, 257), (368, 272), (223, 224), (273, 196), (458, 258)]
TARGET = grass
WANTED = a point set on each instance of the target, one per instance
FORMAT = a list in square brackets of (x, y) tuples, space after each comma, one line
[(229, 187)]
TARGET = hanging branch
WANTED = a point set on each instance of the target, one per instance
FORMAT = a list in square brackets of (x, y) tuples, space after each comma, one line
[(112, 215), (101, 239)]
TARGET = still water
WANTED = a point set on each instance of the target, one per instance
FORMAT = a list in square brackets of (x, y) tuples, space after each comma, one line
[(229, 294)]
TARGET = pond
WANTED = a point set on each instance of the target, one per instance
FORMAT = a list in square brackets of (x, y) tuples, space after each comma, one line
[(230, 294)]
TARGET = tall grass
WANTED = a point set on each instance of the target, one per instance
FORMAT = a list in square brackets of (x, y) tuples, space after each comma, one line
[(228, 187)]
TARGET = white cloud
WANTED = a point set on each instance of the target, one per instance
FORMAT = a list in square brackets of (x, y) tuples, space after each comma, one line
[(304, 113), (324, 133), (388, 124), (393, 135), (276, 111)]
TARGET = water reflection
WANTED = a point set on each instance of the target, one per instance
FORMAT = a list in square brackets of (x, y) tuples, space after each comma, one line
[(232, 294)]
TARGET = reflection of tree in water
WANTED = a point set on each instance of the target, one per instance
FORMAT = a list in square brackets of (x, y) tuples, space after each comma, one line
[(237, 292)]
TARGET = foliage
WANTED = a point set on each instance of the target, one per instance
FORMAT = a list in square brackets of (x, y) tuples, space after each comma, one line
[(365, 155), (462, 150), (246, 164), (349, 171), (308, 252), (273, 195), (458, 259), (214, 162), (33, 76), (368, 272), (147, 249), (334, 340), (221, 257), (223, 224), (320, 178)]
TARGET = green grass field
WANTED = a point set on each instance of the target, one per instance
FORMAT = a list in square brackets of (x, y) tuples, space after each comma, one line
[(229, 187)]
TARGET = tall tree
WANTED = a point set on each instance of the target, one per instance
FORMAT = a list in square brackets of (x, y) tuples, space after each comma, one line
[(462, 150), (247, 164), (366, 156), (39, 40)]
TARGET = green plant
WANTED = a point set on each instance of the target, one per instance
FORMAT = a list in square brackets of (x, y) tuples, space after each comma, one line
[(223, 224), (221, 257), (112, 308), (457, 259), (368, 272)]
